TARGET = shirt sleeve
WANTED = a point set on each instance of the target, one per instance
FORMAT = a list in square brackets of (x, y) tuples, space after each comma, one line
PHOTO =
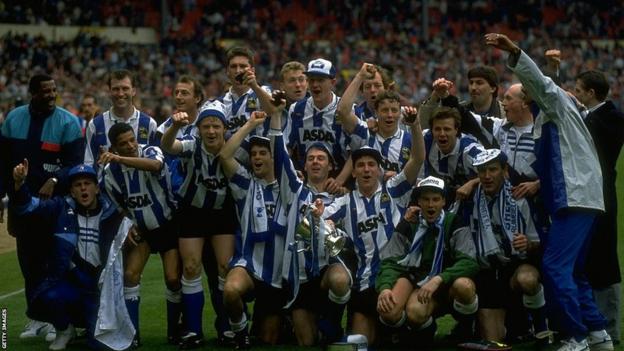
[(400, 189), (239, 183)]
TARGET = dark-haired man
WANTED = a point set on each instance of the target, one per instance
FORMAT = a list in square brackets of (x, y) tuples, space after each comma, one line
[(606, 125), (139, 184), (370, 213), (245, 95), (571, 183), (50, 137), (122, 90), (427, 269), (393, 143)]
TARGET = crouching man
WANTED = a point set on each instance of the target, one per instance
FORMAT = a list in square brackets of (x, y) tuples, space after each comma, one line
[(426, 269), (508, 248), (84, 286)]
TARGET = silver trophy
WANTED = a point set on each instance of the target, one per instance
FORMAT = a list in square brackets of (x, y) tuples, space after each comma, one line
[(333, 239)]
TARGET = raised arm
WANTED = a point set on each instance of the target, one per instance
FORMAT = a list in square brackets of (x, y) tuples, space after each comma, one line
[(150, 164), (264, 96), (551, 99), (344, 110), (417, 155), (285, 172), (169, 143), (226, 155)]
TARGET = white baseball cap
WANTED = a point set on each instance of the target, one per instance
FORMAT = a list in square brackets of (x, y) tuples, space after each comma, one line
[(321, 67), (488, 156), (432, 183)]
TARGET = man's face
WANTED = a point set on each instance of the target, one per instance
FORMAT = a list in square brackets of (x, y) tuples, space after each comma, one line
[(44, 99), (491, 176), (513, 104), (88, 107), (317, 165), (185, 99), (261, 161), (295, 84), (431, 204), (480, 91), (122, 92), (84, 190), (212, 132), (583, 95), (445, 134), (320, 87), (371, 88), (367, 173), (237, 64), (388, 114), (126, 145)]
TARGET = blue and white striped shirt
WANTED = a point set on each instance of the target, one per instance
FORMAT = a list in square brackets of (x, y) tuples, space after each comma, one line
[(204, 185), (371, 222), (456, 166), (260, 242), (143, 125), (395, 150), (238, 110), (146, 196), (308, 125), (294, 195)]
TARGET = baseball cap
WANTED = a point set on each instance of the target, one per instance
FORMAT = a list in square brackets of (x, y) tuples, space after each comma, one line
[(259, 141), (488, 156), (212, 109), (430, 183), (82, 170), (366, 151), (321, 67)]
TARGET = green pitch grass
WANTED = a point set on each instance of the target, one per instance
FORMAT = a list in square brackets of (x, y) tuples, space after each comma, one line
[(152, 318)]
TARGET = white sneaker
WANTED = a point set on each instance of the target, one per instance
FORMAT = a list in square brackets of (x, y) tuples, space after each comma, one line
[(573, 345), (51, 335), (35, 328), (600, 341), (63, 337)]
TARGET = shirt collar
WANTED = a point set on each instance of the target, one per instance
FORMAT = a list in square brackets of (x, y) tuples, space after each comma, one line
[(595, 107), (236, 97), (116, 119)]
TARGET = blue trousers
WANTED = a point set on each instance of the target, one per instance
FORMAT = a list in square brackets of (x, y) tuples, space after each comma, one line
[(567, 290), (71, 300)]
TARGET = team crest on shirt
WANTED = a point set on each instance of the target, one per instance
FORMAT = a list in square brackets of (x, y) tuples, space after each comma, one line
[(384, 197), (405, 153), (252, 104), (143, 133)]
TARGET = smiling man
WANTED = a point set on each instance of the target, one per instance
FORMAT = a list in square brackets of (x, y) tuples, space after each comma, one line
[(122, 91), (507, 248), (138, 182), (256, 267), (203, 198), (393, 143), (51, 138), (370, 213)]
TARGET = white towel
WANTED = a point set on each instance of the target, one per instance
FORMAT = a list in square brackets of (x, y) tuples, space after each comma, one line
[(113, 327)]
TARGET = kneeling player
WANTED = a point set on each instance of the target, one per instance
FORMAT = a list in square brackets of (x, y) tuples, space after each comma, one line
[(506, 243), (426, 268), (257, 262)]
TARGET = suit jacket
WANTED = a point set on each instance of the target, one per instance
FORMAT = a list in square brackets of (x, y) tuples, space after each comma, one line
[(606, 125)]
